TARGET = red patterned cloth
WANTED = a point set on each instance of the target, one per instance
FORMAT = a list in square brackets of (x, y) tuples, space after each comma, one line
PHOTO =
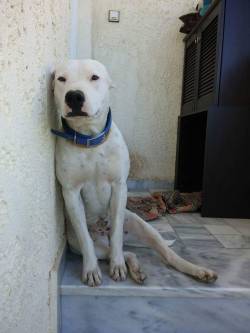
[(160, 203), (148, 208)]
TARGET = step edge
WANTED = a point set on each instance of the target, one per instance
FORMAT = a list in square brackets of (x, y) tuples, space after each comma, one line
[(194, 292)]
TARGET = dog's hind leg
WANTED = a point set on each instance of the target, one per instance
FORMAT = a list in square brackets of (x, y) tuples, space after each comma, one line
[(152, 238), (134, 267)]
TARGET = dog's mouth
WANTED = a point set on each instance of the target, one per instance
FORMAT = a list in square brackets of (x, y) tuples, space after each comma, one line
[(74, 114)]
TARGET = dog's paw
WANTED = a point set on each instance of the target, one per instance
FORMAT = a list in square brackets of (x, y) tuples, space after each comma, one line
[(118, 270), (137, 274), (93, 278), (206, 275)]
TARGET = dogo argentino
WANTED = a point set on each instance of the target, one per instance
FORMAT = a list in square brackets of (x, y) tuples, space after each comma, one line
[(92, 165)]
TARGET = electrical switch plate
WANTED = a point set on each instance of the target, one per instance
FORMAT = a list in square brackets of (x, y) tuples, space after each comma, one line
[(114, 16)]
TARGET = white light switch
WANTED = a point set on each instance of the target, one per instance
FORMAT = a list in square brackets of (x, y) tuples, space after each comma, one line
[(114, 16)]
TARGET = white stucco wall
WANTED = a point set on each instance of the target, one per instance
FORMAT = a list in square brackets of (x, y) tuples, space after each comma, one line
[(34, 34), (144, 54)]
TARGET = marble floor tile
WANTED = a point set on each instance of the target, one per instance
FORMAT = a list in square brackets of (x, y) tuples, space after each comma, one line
[(238, 222), (191, 229), (169, 235), (210, 220), (90, 314), (183, 219), (162, 225), (232, 266), (243, 226), (243, 230), (234, 241), (168, 301), (201, 237), (192, 218), (193, 232), (221, 230), (227, 254), (200, 243), (134, 243), (139, 194)]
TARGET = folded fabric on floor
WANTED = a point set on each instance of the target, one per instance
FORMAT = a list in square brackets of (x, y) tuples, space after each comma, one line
[(158, 204), (177, 202), (147, 207)]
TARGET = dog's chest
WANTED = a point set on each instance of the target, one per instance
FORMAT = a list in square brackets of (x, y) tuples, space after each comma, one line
[(106, 163)]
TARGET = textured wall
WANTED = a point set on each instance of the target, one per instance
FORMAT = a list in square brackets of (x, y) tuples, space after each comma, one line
[(144, 54), (34, 34)]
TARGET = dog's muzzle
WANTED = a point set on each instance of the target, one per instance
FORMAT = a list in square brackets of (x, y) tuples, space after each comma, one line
[(75, 100)]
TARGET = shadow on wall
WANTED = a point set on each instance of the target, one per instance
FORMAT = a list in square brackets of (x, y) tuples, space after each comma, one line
[(54, 121)]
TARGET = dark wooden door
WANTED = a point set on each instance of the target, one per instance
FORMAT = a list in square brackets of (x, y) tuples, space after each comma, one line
[(235, 69), (226, 184)]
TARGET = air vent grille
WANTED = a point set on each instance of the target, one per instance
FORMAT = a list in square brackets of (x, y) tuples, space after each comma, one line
[(208, 59), (189, 73)]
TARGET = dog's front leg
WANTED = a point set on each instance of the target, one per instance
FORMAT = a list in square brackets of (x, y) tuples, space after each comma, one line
[(75, 208), (118, 269)]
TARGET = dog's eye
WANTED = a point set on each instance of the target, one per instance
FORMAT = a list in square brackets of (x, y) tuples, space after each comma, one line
[(62, 79), (95, 77)]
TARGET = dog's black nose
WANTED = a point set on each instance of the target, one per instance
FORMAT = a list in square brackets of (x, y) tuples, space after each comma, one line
[(75, 99)]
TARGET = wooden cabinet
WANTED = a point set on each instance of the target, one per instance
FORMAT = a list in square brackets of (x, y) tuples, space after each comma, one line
[(213, 146), (201, 64)]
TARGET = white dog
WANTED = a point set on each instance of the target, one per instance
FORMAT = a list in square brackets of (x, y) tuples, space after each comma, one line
[(92, 165)]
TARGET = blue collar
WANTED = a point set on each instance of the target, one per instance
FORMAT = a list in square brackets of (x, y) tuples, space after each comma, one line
[(81, 139)]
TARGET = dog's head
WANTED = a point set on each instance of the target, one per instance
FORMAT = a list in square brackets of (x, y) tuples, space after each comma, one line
[(81, 89)]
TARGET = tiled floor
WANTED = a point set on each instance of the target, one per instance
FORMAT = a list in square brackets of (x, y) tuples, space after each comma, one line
[(168, 299), (97, 314), (219, 247), (230, 233)]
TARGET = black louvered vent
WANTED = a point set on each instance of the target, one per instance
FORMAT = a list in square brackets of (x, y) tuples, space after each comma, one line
[(208, 59), (189, 73)]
